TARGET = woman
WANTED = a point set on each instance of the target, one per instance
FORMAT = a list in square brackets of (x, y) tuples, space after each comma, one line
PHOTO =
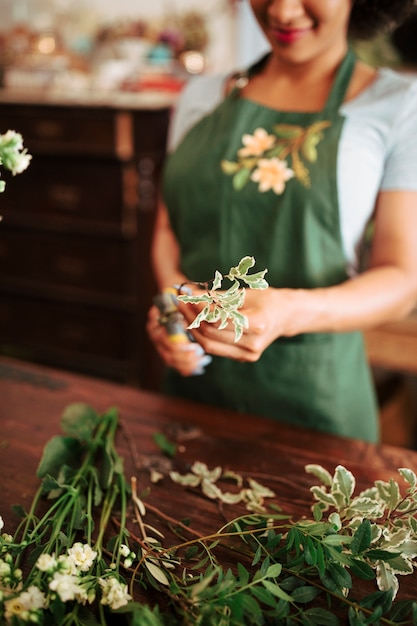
[(288, 164)]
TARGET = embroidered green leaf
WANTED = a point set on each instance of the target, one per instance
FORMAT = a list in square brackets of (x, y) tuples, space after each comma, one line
[(229, 167), (241, 178), (288, 131), (309, 147)]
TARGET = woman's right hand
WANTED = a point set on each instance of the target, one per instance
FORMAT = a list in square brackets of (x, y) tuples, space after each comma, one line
[(187, 357)]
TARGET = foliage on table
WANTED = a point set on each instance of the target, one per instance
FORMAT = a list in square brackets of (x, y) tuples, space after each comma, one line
[(87, 546)]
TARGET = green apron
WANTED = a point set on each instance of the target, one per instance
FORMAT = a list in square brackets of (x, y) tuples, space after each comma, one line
[(212, 187)]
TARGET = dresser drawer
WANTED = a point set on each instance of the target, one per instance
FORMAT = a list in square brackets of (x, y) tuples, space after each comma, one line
[(90, 190), (62, 327), (96, 265), (70, 130), (69, 188)]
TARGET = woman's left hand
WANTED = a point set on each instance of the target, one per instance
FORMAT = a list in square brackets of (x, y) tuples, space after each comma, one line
[(265, 311)]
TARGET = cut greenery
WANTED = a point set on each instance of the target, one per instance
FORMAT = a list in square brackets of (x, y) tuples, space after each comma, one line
[(95, 551), (222, 306)]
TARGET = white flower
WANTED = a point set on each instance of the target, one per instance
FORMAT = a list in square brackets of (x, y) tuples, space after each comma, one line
[(46, 563), (15, 608), (1, 523), (12, 154), (114, 592), (66, 565), (66, 586), (34, 598), (22, 605), (124, 550), (82, 555), (272, 174), (5, 571), (256, 144)]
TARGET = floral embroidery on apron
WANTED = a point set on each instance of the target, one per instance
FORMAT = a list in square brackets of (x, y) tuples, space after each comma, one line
[(262, 159)]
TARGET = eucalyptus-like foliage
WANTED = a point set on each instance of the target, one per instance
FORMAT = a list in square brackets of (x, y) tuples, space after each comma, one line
[(95, 552), (222, 306)]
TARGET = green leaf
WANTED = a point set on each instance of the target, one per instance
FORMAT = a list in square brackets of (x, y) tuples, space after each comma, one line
[(243, 266), (410, 477), (59, 451), (164, 444), (340, 575), (381, 555), (263, 596), (320, 473), (310, 551), (343, 482), (217, 281), (362, 537), (157, 573), (80, 421), (305, 594), (257, 280), (336, 540), (19, 510), (402, 609), (243, 575), (362, 570), (250, 605), (328, 499), (274, 570), (317, 512), (382, 599), (276, 591), (322, 617)]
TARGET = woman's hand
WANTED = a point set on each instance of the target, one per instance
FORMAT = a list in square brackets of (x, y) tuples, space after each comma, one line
[(265, 310), (185, 356)]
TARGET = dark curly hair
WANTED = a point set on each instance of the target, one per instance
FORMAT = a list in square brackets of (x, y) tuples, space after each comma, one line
[(371, 17)]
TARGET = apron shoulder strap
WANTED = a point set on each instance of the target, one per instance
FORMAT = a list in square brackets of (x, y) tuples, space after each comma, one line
[(341, 83)]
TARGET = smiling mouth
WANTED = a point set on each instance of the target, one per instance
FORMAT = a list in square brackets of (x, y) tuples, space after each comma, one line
[(288, 35)]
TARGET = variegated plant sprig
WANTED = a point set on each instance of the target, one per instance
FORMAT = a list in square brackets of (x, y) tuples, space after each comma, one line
[(223, 305), (378, 526)]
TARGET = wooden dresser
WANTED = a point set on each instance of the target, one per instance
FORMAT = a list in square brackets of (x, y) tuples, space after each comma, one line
[(75, 278)]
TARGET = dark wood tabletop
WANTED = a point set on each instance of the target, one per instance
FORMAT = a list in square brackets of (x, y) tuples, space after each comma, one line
[(32, 399)]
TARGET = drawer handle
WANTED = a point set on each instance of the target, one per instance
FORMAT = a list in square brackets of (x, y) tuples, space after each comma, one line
[(64, 197)]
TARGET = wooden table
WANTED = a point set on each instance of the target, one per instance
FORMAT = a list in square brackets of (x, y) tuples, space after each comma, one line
[(32, 400)]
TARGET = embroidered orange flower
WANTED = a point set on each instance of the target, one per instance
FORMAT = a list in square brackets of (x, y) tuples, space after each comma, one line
[(272, 174), (256, 144)]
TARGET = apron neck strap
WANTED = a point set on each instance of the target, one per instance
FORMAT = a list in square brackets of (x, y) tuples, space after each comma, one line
[(341, 82), (337, 92)]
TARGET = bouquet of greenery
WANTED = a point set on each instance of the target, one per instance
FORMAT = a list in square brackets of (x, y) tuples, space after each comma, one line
[(95, 556), (13, 156)]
